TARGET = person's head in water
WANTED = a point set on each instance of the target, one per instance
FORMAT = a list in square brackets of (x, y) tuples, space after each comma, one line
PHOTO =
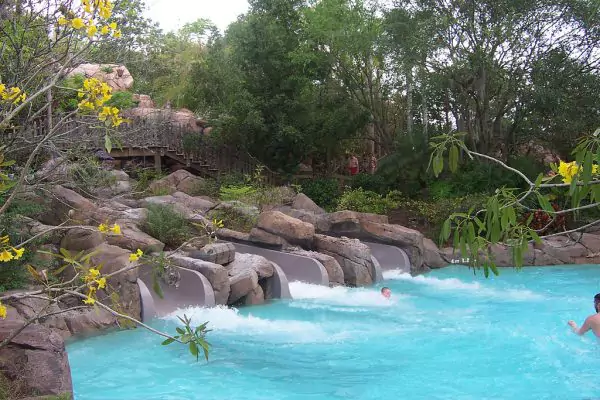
[(597, 302), (386, 292)]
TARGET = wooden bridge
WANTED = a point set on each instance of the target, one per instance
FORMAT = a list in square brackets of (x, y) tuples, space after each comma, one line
[(160, 140)]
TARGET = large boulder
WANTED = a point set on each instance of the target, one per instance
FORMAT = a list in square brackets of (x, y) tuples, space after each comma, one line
[(291, 229), (216, 274), (116, 76), (353, 256), (334, 270), (350, 223), (262, 266), (242, 283), (66, 204), (304, 203), (194, 203), (178, 181), (267, 239), (37, 358), (432, 257), (255, 297), (218, 253), (133, 238), (78, 239)]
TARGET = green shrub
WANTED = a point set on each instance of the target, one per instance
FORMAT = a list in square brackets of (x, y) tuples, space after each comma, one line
[(366, 201), (372, 183), (208, 187), (121, 100), (88, 174), (13, 274), (234, 219), (144, 177), (236, 192), (322, 191), (167, 225), (429, 216)]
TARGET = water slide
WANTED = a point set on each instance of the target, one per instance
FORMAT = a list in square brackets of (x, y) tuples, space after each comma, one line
[(295, 267), (389, 257), (194, 289)]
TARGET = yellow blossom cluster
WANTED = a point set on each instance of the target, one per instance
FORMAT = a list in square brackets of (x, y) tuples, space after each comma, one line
[(570, 170), (2, 311), (136, 256), (8, 252), (93, 95), (218, 223), (116, 229), (90, 9), (94, 282), (11, 94)]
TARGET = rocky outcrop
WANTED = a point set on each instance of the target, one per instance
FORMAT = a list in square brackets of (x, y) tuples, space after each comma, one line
[(116, 76), (292, 230), (266, 239), (178, 181), (35, 359), (353, 256), (78, 239), (262, 266), (241, 283), (61, 204), (304, 203), (133, 238), (432, 257)]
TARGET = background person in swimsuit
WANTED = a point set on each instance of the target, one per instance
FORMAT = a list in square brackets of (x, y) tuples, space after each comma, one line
[(592, 322)]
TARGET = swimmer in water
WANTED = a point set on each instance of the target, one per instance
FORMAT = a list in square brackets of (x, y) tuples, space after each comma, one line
[(592, 322), (386, 292)]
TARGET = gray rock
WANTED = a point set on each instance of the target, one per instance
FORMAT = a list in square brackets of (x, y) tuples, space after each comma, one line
[(334, 270), (353, 256), (262, 266), (218, 253), (291, 229), (260, 236), (303, 202), (255, 297), (241, 284), (78, 239)]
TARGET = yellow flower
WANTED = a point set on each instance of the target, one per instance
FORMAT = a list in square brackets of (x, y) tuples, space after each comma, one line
[(2, 311), (62, 20), (91, 31), (5, 256), (87, 6), (116, 229), (117, 33), (113, 25), (89, 301), (4, 239), (77, 23), (568, 170), (101, 283), (18, 253), (103, 228), (136, 256), (105, 30), (595, 169), (92, 275)]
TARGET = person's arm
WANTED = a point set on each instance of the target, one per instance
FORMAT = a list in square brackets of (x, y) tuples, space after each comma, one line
[(583, 330)]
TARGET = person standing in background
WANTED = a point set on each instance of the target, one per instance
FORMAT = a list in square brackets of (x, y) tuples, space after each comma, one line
[(353, 164)]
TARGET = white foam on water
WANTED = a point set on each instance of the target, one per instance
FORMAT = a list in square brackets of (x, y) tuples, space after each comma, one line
[(454, 284), (223, 319), (341, 295)]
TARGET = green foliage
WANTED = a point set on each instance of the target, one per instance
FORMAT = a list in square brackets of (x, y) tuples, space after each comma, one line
[(12, 273), (167, 225), (322, 191), (195, 338), (368, 182), (144, 177), (87, 174), (367, 202), (235, 219), (122, 100), (66, 94), (237, 192)]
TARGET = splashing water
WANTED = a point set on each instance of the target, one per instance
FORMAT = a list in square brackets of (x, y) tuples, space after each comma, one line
[(447, 335)]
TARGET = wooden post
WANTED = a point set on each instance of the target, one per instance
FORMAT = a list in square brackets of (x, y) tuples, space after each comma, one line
[(157, 162)]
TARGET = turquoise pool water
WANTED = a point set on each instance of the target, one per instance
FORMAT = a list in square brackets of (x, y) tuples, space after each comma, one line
[(447, 335)]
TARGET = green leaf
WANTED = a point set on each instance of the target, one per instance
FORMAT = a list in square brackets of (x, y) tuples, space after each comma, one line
[(538, 181), (471, 233), (168, 341), (194, 349), (545, 203), (456, 240), (453, 158), (486, 271), (494, 269), (180, 331), (595, 193), (445, 234), (587, 167), (107, 143), (535, 237)]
